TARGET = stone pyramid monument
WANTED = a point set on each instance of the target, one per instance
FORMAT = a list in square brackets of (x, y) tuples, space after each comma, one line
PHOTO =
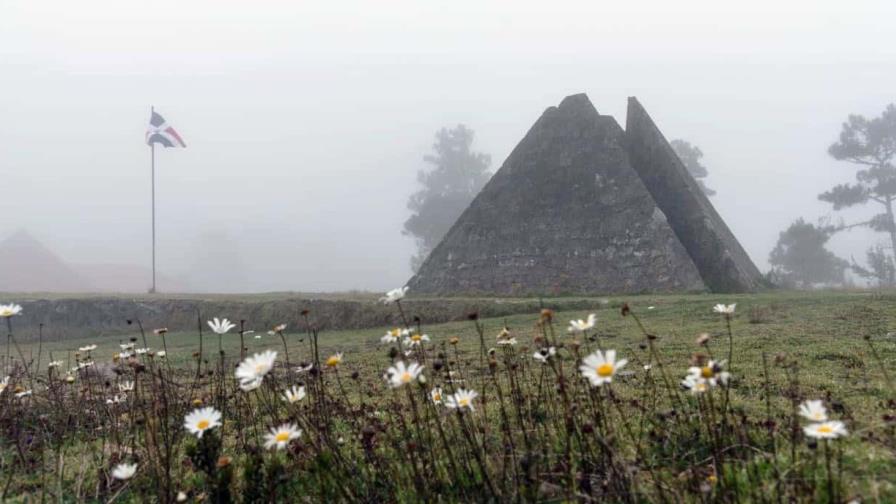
[(581, 206)]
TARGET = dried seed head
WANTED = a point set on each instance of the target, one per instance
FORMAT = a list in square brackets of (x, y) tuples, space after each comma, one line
[(625, 309), (547, 315)]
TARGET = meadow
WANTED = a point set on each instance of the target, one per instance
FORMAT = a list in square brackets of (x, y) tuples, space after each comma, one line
[(530, 407)]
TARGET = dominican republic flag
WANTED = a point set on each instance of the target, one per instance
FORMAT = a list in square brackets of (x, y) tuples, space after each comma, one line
[(159, 132)]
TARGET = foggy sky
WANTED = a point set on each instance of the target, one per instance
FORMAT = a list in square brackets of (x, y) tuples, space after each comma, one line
[(306, 121)]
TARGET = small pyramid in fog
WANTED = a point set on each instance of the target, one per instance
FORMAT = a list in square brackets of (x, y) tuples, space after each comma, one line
[(27, 265)]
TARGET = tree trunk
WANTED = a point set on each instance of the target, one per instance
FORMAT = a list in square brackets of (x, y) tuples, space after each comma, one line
[(889, 205)]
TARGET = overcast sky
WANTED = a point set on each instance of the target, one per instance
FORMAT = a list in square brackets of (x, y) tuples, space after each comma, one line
[(307, 121)]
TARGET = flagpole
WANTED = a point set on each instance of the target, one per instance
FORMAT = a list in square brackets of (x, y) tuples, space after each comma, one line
[(152, 157)]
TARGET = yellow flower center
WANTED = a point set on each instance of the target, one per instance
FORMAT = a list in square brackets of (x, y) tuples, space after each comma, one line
[(282, 437), (259, 368), (463, 403), (605, 370), (203, 424), (333, 361), (395, 332), (825, 429), (706, 372), (437, 396), (406, 377), (416, 337)]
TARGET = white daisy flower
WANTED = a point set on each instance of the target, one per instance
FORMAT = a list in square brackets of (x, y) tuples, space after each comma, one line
[(582, 325), (461, 399), (161, 354), (544, 354), (294, 394), (507, 341), (221, 326), (54, 364), (599, 367), (436, 395), (279, 328), (831, 429), (200, 420), (24, 393), (724, 309), (394, 295), (415, 339), (280, 436), (695, 384), (254, 368), (10, 310), (304, 369), (258, 336), (814, 411), (141, 351), (393, 335), (88, 348), (126, 386), (126, 346), (334, 360), (711, 372), (85, 365), (399, 374), (124, 471)]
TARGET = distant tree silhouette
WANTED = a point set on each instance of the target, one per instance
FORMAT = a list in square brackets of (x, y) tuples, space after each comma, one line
[(800, 258), (456, 177), (871, 144), (690, 155)]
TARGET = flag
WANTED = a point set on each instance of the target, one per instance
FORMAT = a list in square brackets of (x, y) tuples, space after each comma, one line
[(158, 131)]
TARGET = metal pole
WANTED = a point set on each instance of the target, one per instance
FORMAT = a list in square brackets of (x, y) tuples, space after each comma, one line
[(152, 150)]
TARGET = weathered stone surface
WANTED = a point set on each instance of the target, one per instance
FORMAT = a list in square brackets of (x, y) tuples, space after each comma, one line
[(722, 262), (566, 213)]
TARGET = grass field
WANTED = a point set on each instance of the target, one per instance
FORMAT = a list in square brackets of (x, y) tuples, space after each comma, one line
[(841, 345)]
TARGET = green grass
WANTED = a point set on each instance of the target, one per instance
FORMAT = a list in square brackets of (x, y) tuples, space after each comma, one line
[(823, 331), (826, 333)]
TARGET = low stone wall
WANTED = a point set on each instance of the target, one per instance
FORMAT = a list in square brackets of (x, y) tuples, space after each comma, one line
[(77, 317)]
